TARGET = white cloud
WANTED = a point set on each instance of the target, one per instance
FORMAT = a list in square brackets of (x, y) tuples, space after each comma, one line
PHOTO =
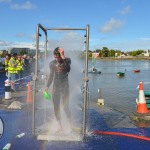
[(145, 39), (76, 42), (126, 45), (70, 41), (113, 24), (20, 34), (24, 44), (32, 37), (4, 45), (125, 10), (27, 5)]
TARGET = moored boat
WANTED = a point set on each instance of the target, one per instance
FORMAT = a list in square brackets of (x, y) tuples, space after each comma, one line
[(95, 72), (136, 70), (120, 74)]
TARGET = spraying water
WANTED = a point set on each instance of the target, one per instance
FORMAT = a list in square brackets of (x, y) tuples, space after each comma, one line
[(75, 99)]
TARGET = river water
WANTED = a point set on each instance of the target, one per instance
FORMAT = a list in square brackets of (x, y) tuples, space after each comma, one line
[(119, 93)]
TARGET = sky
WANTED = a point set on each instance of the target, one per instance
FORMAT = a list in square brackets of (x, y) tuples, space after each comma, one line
[(116, 24)]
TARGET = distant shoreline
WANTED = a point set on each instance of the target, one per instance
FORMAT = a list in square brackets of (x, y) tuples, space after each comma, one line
[(123, 58)]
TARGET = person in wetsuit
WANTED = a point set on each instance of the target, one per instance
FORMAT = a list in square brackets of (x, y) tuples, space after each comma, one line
[(59, 70)]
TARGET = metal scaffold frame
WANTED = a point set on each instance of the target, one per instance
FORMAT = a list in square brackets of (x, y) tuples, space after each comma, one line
[(35, 78)]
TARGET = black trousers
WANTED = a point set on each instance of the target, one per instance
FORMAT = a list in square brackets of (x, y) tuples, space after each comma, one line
[(61, 92)]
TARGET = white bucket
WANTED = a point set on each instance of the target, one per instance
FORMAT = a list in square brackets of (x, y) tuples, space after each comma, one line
[(7, 89)]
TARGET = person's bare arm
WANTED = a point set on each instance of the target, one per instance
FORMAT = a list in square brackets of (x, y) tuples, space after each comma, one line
[(61, 51)]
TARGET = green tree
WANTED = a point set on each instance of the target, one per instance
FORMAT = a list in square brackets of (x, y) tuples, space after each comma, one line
[(112, 53), (98, 50), (23, 51), (105, 52), (90, 54), (136, 53)]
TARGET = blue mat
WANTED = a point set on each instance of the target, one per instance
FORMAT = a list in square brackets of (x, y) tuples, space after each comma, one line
[(16, 122)]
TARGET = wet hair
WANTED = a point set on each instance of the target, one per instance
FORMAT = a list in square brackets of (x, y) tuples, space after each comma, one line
[(56, 52)]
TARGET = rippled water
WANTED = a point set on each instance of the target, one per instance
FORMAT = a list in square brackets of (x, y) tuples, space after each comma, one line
[(119, 92)]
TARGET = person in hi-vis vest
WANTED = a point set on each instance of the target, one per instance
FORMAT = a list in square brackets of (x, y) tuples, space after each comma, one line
[(6, 63), (20, 69), (12, 70)]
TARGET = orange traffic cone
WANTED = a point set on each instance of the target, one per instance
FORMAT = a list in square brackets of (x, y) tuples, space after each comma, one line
[(141, 108), (29, 94)]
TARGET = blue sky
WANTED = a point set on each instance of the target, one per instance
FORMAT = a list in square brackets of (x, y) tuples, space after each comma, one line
[(116, 24)]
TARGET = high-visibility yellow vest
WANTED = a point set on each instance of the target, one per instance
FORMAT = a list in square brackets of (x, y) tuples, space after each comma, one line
[(6, 63), (20, 65), (12, 69)]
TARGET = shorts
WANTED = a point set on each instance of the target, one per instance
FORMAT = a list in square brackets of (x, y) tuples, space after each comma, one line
[(12, 76)]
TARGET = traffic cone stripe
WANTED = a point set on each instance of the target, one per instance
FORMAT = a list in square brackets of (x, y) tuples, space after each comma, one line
[(141, 86)]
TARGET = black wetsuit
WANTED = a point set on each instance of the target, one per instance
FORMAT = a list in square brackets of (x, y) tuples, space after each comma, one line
[(59, 75)]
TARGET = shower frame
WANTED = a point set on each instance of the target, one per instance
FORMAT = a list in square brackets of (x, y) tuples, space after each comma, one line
[(35, 77)]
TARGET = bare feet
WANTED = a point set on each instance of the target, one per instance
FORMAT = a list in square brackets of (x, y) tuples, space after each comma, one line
[(59, 127)]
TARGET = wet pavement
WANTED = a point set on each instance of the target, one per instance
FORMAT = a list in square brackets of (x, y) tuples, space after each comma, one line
[(100, 118)]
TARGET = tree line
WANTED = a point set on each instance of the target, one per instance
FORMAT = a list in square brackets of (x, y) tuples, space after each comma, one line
[(105, 52)]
